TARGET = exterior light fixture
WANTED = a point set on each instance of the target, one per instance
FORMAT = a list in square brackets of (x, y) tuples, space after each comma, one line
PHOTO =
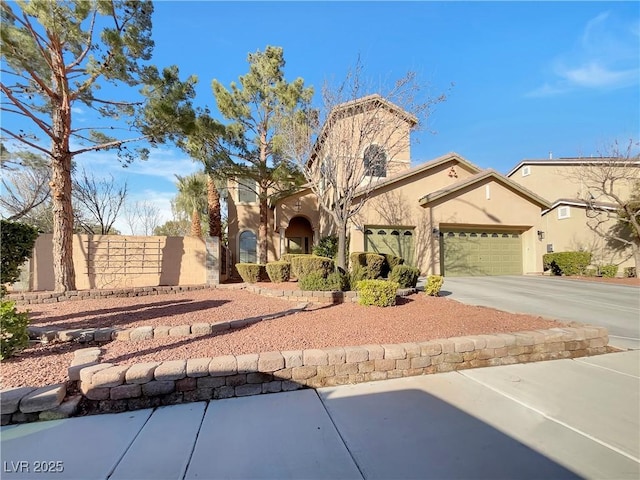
[(540, 235)]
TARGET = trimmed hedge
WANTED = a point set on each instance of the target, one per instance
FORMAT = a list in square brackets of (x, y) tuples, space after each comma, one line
[(16, 246), (13, 329), (303, 265), (279, 271), (609, 271), (434, 284), (391, 262), (367, 265), (405, 276), (317, 282), (381, 293), (251, 272), (567, 263)]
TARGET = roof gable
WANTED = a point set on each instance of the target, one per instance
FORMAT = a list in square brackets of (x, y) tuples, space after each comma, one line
[(422, 169), (479, 177)]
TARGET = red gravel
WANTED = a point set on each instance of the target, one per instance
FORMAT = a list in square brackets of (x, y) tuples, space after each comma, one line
[(416, 318)]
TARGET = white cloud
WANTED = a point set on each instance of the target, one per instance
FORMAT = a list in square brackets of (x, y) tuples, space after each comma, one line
[(606, 57)]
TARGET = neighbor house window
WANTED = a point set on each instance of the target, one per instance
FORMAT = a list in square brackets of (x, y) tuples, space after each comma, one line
[(375, 161), (564, 212), (526, 170), (248, 246), (247, 190)]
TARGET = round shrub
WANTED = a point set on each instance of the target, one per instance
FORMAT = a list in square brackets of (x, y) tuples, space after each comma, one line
[(16, 246), (327, 247), (406, 276), (279, 271), (609, 271), (13, 329), (630, 272), (251, 272), (434, 284), (380, 293)]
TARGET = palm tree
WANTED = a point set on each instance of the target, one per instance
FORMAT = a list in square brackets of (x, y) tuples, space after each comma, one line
[(203, 144), (192, 194)]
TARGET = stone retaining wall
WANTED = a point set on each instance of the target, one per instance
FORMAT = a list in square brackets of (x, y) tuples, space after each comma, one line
[(30, 298), (115, 388)]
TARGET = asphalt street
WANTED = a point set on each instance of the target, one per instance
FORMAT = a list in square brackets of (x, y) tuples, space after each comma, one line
[(616, 307)]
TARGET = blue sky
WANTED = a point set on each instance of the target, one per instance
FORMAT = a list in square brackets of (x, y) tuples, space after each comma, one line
[(530, 77)]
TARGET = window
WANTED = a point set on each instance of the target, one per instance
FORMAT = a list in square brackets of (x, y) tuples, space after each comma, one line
[(526, 171), (248, 247), (247, 191), (375, 161), (564, 212)]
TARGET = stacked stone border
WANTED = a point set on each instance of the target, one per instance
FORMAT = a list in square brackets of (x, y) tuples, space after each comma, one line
[(32, 298), (108, 334), (107, 388)]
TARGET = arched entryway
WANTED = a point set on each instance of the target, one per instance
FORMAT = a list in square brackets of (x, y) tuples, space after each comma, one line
[(298, 236)]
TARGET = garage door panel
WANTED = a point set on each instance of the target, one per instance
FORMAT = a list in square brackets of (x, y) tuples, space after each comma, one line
[(468, 253), (392, 240)]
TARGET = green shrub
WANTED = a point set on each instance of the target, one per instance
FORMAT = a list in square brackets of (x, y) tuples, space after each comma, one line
[(630, 272), (434, 284), (279, 271), (251, 272), (567, 263), (303, 265), (609, 271), (327, 247), (406, 276), (366, 265), (380, 293), (391, 262), (317, 282), (13, 329), (591, 272), (16, 246)]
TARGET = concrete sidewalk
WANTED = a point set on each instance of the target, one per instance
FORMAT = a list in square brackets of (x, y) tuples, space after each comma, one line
[(557, 419)]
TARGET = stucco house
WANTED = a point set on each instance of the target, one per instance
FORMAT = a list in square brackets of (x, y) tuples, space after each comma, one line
[(446, 216), (569, 185)]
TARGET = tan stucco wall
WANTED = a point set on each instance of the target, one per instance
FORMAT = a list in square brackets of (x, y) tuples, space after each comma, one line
[(166, 261), (554, 182), (573, 234)]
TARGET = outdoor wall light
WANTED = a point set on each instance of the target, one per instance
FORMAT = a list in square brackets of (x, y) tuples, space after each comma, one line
[(540, 235)]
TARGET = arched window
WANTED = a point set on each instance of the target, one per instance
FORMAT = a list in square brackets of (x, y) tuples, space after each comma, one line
[(248, 247), (375, 161)]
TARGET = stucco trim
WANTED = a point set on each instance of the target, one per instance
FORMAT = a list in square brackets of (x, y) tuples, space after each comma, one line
[(580, 204), (573, 162)]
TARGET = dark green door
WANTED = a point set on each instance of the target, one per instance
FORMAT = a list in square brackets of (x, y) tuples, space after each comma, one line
[(471, 252)]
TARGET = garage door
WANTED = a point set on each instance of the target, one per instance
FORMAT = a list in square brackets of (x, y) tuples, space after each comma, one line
[(396, 241), (470, 252)]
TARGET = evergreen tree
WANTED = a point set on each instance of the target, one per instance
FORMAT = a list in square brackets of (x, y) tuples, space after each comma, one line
[(58, 57), (256, 107)]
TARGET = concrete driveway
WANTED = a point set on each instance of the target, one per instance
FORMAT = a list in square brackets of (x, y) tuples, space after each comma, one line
[(558, 419), (616, 307)]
